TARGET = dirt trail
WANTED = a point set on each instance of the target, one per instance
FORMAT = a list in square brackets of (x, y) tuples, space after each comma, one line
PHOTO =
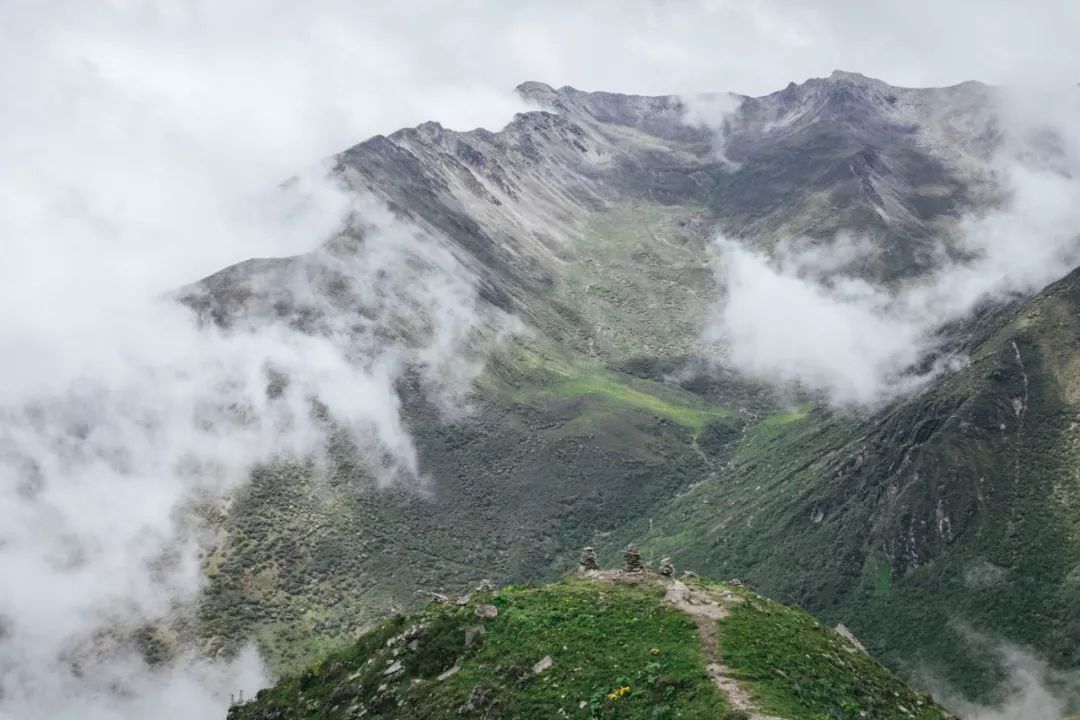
[(706, 608)]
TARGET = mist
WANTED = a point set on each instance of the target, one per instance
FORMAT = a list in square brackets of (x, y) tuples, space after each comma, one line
[(799, 317), (148, 150), (107, 447), (713, 113), (1032, 688)]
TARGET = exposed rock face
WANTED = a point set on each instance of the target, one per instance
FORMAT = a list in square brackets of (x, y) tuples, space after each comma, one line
[(588, 560), (843, 632), (632, 559)]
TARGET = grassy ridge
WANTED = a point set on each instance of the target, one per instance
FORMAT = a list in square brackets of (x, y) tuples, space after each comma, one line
[(587, 648), (797, 669), (600, 638)]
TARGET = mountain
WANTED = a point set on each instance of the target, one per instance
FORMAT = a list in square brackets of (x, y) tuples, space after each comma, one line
[(603, 644), (604, 420), (953, 509)]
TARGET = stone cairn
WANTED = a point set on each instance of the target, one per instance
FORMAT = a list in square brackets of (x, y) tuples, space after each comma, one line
[(588, 560), (632, 559), (666, 568)]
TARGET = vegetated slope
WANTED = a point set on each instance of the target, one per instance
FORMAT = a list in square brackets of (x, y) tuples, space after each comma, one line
[(954, 511), (602, 645), (590, 221)]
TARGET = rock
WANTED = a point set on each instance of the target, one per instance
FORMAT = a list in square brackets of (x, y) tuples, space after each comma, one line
[(632, 559), (543, 664), (853, 641), (448, 673), (666, 568), (485, 586), (472, 632), (478, 698), (394, 669), (689, 574), (736, 582), (588, 560), (486, 612)]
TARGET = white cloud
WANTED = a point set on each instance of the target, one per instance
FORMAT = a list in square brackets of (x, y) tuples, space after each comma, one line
[(714, 113), (143, 413), (800, 316), (1032, 688), (145, 149), (842, 335)]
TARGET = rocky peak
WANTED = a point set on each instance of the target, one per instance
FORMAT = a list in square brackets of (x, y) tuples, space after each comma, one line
[(853, 77), (537, 92)]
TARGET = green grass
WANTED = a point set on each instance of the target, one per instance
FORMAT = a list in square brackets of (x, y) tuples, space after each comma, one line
[(788, 416), (675, 405), (798, 669), (616, 651), (877, 521), (601, 638)]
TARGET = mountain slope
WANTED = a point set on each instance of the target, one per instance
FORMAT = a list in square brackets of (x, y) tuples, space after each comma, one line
[(591, 221), (607, 644), (954, 510)]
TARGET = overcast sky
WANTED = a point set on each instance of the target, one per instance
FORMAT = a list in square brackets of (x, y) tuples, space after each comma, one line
[(170, 96)]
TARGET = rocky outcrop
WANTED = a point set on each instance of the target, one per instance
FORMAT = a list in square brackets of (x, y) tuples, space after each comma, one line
[(588, 560)]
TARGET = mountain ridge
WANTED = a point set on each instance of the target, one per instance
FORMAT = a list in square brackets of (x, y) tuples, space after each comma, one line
[(598, 644), (593, 226)]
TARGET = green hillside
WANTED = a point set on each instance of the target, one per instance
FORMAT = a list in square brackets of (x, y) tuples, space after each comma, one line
[(608, 644), (955, 508)]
